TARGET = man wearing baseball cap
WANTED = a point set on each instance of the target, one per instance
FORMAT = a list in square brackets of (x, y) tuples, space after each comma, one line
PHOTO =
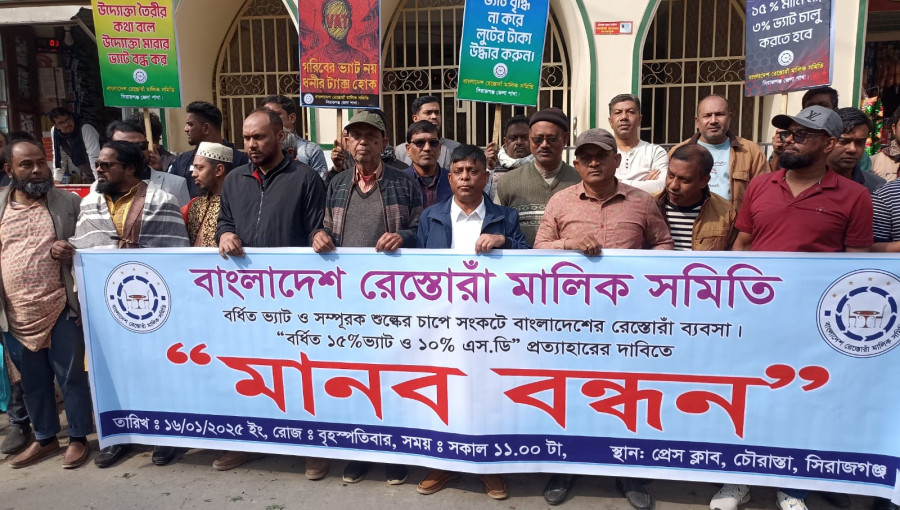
[(576, 217), (372, 205), (805, 206), (601, 212)]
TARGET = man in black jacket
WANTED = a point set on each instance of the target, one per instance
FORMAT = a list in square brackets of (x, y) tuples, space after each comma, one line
[(272, 202)]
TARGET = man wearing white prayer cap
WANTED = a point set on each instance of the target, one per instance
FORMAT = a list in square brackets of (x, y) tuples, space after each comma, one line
[(211, 163)]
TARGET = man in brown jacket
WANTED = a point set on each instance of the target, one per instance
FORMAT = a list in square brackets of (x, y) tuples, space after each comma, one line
[(735, 160), (699, 219)]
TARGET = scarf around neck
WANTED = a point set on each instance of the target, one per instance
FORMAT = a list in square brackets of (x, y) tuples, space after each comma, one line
[(509, 163)]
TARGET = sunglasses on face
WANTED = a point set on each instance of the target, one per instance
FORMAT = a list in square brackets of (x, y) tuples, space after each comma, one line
[(539, 140), (799, 136), (103, 165), (433, 143)]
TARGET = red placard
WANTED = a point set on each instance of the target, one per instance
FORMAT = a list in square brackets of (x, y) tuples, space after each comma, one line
[(613, 28)]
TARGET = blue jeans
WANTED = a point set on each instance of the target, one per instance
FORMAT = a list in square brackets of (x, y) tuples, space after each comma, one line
[(64, 359)]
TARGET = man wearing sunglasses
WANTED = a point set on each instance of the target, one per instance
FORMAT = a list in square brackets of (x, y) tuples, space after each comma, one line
[(804, 207), (424, 147), (528, 188), (126, 209), (428, 108), (75, 146), (121, 131)]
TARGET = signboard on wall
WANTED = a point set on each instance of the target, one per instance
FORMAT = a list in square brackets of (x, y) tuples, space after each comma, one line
[(138, 53), (502, 50), (789, 45), (340, 56)]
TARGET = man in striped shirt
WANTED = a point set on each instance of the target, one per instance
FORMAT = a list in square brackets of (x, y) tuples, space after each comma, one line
[(698, 218), (886, 203)]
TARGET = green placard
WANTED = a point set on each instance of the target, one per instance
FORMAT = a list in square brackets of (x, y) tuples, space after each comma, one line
[(138, 53), (502, 50)]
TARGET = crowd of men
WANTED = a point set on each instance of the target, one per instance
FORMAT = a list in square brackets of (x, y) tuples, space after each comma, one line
[(820, 192)]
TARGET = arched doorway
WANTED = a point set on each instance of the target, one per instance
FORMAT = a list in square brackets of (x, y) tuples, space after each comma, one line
[(694, 48), (260, 56), (420, 55)]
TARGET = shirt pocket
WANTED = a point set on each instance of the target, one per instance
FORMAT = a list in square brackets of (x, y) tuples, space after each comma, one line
[(626, 234), (713, 238)]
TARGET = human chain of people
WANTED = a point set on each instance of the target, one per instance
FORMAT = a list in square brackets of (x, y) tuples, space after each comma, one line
[(493, 309)]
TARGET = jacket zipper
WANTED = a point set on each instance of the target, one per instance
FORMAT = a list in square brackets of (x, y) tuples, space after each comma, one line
[(262, 196)]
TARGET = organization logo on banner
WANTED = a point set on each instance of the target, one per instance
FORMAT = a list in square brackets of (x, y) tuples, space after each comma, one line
[(858, 314), (137, 297)]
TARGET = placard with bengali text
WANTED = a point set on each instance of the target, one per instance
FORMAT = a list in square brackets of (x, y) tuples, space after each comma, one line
[(790, 45), (502, 51), (340, 53), (138, 53)]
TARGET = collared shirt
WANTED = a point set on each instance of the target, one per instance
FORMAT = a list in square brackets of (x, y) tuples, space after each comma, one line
[(826, 217), (366, 186), (466, 227), (429, 189), (639, 161), (35, 292), (630, 219), (118, 210)]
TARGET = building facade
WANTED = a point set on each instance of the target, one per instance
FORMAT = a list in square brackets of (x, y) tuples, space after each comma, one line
[(235, 52)]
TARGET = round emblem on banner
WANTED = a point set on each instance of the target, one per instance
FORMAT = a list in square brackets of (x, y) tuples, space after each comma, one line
[(500, 70), (137, 297), (308, 98), (858, 314), (140, 76), (786, 57)]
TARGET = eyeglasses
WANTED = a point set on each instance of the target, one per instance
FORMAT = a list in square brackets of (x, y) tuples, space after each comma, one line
[(433, 143), (142, 145), (539, 140), (103, 165), (799, 136)]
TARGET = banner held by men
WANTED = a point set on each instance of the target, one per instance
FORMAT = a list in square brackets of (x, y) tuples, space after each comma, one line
[(678, 366)]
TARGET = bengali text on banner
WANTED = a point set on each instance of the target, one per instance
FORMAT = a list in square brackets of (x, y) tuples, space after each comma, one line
[(768, 369)]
